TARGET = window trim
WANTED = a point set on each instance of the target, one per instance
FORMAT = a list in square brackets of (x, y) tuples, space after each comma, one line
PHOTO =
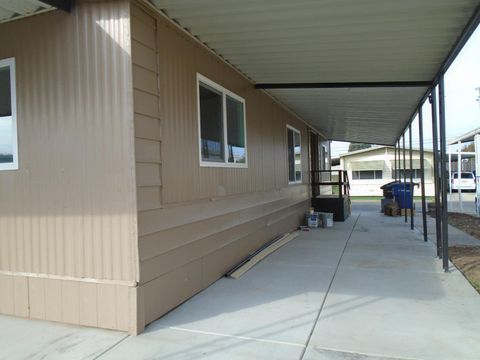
[(10, 63), (225, 92), (300, 137), (374, 175), (415, 171)]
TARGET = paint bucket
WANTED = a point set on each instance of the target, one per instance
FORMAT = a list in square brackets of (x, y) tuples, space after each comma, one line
[(312, 220), (327, 219)]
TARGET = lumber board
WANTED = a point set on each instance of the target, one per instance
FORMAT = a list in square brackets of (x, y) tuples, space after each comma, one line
[(248, 263)]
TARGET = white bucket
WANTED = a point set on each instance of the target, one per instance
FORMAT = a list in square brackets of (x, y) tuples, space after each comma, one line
[(312, 221), (327, 219)]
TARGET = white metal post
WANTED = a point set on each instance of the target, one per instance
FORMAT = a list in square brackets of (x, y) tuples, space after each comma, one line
[(477, 172), (450, 173), (459, 175)]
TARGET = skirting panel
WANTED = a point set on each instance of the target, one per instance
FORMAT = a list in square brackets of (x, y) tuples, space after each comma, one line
[(108, 306)]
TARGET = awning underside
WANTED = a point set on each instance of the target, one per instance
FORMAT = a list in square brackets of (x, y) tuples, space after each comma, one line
[(355, 115), (333, 41), (14, 9)]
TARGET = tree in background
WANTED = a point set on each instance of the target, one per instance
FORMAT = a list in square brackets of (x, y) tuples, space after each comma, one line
[(469, 148), (358, 146)]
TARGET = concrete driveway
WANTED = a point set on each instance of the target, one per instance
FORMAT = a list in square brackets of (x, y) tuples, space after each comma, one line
[(369, 288), (467, 205)]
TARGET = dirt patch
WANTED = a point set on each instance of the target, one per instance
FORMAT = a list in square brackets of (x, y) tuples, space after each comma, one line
[(465, 222), (467, 260)]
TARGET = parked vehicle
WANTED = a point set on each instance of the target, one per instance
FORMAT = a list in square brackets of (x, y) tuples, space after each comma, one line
[(467, 181)]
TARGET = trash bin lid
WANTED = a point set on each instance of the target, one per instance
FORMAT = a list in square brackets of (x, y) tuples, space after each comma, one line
[(389, 185)]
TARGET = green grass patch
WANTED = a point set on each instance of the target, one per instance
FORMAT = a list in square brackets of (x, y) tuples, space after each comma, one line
[(363, 198)]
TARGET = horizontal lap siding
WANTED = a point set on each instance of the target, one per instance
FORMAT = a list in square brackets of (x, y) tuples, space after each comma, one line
[(208, 218), (70, 208), (148, 138)]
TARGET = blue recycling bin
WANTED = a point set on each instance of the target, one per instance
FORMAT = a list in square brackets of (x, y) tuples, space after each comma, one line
[(403, 193)]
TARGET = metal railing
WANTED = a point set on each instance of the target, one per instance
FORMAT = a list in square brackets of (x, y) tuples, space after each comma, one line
[(321, 178)]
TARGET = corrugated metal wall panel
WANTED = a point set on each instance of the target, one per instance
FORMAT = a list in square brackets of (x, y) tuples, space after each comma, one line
[(70, 208), (208, 217), (183, 178)]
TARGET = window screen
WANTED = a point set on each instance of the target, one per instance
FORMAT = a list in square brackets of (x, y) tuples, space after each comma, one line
[(211, 120), (294, 155), (367, 175), (235, 131), (8, 126), (416, 173)]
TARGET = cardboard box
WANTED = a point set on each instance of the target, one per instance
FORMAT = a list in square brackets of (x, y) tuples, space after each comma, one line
[(392, 209), (402, 212)]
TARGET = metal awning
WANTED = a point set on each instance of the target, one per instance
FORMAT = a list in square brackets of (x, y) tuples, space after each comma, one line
[(366, 64), (467, 137), (17, 9)]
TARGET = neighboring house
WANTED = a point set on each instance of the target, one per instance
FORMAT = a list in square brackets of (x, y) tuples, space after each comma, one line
[(368, 169), (145, 168)]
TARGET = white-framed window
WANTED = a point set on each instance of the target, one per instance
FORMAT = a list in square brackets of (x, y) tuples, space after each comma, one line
[(221, 126), (367, 174), (8, 116), (323, 157), (416, 173), (294, 155)]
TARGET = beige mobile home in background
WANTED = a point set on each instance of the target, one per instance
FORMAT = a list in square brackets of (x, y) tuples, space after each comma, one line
[(369, 169), (110, 218)]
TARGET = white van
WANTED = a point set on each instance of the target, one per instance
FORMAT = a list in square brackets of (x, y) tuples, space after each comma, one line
[(467, 181)]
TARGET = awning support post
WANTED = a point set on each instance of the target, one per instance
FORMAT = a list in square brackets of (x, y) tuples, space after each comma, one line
[(395, 162), (422, 174), (398, 160), (477, 173), (459, 175), (438, 225), (443, 172), (450, 175), (411, 176), (404, 179)]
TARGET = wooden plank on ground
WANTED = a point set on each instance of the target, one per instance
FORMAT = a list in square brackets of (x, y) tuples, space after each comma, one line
[(251, 262)]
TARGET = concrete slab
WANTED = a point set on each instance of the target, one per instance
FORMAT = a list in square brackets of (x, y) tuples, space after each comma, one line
[(274, 301), (385, 304), (404, 327), (316, 353), (172, 344), (34, 339), (354, 260)]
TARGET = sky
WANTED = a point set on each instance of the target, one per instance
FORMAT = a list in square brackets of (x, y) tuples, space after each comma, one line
[(461, 108)]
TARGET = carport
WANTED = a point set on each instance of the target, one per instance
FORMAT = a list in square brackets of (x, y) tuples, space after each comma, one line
[(355, 71), (352, 71), (471, 136), (358, 72)]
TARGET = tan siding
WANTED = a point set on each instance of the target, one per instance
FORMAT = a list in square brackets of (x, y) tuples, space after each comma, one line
[(80, 303), (148, 140), (70, 208), (201, 220)]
